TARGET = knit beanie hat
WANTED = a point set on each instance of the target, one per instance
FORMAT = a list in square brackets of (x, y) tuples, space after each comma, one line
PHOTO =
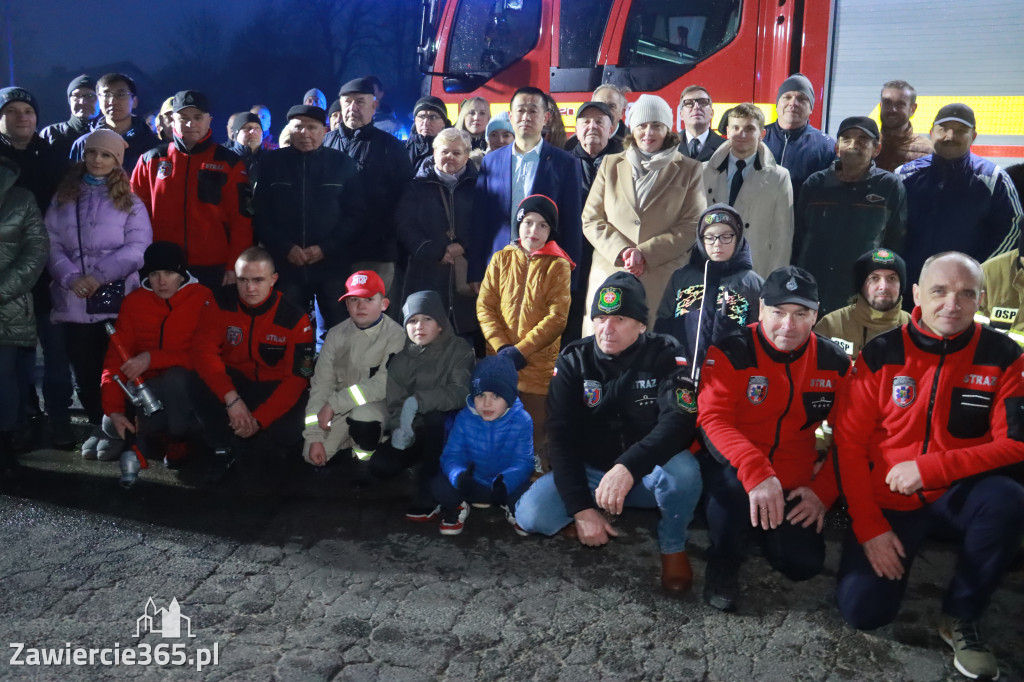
[(82, 81), (334, 108), (499, 121), (425, 303), (621, 294), (16, 94), (164, 256), (108, 141), (538, 203), (434, 104), (879, 259), (799, 83), (723, 214), (239, 120), (498, 375), (648, 109), (321, 98)]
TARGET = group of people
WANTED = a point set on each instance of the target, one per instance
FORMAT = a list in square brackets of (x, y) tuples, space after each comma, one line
[(630, 317)]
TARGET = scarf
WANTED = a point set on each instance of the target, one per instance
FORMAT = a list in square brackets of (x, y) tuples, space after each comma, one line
[(646, 169)]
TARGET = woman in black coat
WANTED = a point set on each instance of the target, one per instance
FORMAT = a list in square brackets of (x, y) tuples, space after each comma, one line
[(433, 220)]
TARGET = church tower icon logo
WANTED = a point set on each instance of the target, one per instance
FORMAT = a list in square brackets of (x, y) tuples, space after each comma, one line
[(166, 622)]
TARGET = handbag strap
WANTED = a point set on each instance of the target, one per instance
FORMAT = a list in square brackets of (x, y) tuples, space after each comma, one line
[(448, 211)]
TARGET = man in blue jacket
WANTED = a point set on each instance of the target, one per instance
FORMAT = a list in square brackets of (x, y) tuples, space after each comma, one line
[(309, 212), (528, 166), (796, 145), (957, 201)]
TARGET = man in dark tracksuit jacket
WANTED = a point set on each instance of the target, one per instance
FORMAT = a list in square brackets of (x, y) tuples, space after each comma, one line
[(384, 169), (309, 211), (617, 433), (253, 351), (934, 411), (764, 392), (846, 210), (957, 201)]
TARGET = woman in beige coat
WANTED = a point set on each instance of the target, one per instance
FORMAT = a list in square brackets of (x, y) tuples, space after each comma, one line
[(641, 214)]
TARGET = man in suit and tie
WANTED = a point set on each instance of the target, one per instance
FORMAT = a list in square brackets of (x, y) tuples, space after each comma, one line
[(697, 113), (528, 166)]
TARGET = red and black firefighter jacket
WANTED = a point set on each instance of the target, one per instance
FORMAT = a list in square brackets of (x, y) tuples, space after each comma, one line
[(955, 406), (759, 407), (272, 342), (197, 199)]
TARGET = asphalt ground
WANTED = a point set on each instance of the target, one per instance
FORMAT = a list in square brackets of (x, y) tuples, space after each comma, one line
[(297, 575)]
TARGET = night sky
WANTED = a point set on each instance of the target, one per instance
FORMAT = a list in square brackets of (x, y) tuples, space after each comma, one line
[(48, 33)]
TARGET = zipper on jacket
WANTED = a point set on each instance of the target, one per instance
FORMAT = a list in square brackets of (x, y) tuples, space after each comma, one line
[(778, 424), (931, 406), (256, 365), (785, 143), (305, 272), (184, 215), (160, 343)]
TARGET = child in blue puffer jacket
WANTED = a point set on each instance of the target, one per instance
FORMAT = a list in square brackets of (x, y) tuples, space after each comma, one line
[(488, 458)]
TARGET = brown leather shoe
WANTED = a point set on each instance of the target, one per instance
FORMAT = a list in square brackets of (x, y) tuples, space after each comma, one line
[(676, 574)]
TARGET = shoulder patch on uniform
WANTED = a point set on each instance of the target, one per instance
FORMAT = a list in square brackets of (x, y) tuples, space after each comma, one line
[(303, 360)]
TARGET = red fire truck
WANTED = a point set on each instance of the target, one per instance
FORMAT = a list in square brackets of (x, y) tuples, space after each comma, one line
[(740, 51)]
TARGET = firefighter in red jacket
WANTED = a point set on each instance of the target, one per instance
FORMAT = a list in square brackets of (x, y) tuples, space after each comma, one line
[(253, 351), (935, 408), (197, 193), (155, 326), (764, 391)]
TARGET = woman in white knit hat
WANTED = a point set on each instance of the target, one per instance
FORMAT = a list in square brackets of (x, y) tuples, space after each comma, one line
[(641, 214)]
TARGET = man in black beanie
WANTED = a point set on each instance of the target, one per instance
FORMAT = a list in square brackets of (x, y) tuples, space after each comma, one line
[(796, 145), (245, 138), (880, 278), (430, 118), (618, 434), (85, 110)]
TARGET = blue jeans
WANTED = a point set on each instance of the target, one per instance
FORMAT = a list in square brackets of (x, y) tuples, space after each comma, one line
[(986, 513), (673, 489)]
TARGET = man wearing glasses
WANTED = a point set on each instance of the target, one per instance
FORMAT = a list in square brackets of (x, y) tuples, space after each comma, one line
[(429, 118), (118, 98), (697, 114), (85, 110)]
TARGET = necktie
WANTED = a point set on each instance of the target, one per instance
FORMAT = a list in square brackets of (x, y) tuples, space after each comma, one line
[(694, 148), (737, 182)]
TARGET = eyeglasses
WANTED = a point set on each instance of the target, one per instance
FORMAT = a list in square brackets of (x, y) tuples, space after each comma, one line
[(88, 97), (701, 101), (433, 118), (710, 239), (120, 94)]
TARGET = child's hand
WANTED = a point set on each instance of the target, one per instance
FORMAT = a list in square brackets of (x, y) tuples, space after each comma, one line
[(324, 417), (408, 413), (402, 438), (317, 454)]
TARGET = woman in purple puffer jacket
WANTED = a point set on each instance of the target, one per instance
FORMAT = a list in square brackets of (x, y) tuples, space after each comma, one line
[(98, 232)]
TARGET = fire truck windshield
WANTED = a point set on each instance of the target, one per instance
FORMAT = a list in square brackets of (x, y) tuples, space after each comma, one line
[(488, 36)]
